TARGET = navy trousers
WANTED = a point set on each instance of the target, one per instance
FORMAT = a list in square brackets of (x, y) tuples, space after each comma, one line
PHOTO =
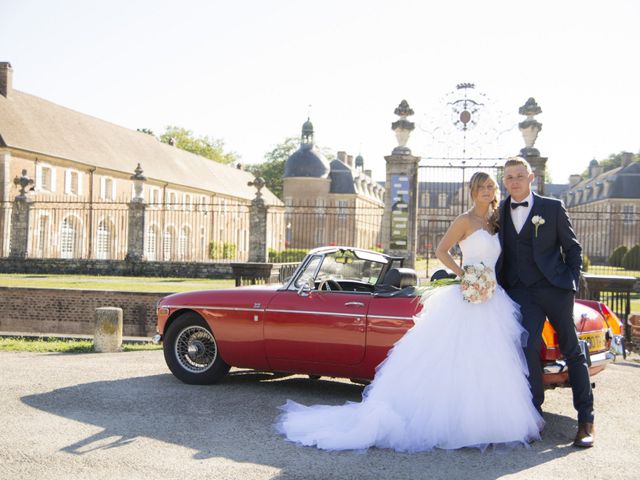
[(544, 300)]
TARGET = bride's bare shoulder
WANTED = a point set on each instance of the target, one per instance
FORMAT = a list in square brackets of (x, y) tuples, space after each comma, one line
[(462, 223)]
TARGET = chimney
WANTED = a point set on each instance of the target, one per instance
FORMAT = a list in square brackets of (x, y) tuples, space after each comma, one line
[(574, 179), (342, 156), (627, 159), (6, 79)]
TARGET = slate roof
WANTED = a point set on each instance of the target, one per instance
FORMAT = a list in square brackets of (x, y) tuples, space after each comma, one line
[(341, 176), (36, 125), (620, 182), (555, 190)]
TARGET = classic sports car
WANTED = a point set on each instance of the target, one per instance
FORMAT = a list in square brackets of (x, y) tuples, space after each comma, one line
[(338, 316)]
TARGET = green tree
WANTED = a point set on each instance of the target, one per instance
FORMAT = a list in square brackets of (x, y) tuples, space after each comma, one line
[(272, 169), (203, 145)]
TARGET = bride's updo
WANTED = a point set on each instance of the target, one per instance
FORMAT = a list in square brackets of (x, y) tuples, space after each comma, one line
[(477, 180)]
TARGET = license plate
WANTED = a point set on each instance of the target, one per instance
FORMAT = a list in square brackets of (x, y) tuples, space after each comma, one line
[(595, 340)]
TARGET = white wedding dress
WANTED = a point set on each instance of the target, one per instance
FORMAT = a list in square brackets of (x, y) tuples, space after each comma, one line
[(458, 378)]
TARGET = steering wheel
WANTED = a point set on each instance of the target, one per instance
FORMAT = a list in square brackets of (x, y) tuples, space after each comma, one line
[(329, 284)]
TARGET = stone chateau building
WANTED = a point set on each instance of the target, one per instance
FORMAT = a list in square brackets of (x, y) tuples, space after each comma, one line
[(330, 203), (82, 168), (605, 207)]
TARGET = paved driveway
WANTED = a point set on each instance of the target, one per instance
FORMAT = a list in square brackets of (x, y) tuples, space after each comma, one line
[(111, 416)]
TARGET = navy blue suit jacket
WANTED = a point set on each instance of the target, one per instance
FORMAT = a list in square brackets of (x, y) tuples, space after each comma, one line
[(556, 250)]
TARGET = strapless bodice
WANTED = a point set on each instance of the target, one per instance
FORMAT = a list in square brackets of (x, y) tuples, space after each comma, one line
[(480, 247)]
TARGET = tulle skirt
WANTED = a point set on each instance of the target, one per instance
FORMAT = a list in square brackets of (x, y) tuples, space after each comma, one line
[(458, 378)]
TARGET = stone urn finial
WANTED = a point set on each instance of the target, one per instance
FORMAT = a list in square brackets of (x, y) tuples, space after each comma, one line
[(403, 128), (530, 127), (138, 180), (24, 181)]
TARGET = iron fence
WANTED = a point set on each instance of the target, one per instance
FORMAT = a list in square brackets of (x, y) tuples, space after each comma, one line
[(313, 225), (195, 232), (443, 194), (601, 230), (202, 232)]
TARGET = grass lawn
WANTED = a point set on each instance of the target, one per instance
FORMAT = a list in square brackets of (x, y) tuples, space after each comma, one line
[(129, 284), (48, 344)]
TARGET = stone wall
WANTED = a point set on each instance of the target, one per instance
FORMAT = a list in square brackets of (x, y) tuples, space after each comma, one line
[(61, 311), (115, 267)]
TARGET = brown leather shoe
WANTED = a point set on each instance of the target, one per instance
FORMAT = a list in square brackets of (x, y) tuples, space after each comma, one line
[(584, 437)]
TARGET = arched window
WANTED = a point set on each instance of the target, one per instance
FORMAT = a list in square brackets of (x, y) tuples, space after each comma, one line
[(104, 240), (168, 241), (151, 245), (183, 243), (68, 235), (43, 237)]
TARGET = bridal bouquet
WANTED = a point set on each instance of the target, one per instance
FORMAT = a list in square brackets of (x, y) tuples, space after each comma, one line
[(478, 283)]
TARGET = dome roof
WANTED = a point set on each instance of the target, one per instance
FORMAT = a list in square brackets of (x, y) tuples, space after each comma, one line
[(306, 162), (593, 163)]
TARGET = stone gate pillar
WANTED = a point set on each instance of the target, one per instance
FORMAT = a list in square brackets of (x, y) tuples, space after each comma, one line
[(5, 202), (20, 219), (399, 224), (530, 128), (137, 217), (258, 225)]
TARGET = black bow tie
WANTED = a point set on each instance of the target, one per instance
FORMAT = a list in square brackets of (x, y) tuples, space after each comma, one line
[(521, 204)]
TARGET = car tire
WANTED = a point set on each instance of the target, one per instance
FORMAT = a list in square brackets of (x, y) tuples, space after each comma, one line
[(191, 351)]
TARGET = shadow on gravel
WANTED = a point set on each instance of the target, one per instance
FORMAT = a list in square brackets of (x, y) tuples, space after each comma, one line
[(629, 363), (234, 419)]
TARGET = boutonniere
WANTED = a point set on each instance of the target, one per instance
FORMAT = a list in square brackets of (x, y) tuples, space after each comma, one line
[(537, 220)]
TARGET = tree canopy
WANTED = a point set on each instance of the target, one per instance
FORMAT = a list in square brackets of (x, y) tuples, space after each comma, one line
[(272, 169), (204, 146)]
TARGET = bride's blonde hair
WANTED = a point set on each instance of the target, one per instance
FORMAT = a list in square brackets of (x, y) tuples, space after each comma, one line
[(477, 180)]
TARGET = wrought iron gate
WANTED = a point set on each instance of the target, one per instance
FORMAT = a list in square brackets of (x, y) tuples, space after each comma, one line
[(443, 194)]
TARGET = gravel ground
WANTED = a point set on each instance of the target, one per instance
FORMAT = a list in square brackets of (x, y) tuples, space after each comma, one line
[(123, 415)]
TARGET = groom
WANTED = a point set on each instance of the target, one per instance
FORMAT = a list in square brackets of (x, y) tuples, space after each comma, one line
[(540, 269)]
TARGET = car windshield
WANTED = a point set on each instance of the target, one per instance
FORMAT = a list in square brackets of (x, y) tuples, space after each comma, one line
[(342, 265)]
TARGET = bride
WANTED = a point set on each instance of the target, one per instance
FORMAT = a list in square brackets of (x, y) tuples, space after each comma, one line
[(468, 388)]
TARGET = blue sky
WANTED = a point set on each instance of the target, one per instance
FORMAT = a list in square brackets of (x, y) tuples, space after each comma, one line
[(247, 71)]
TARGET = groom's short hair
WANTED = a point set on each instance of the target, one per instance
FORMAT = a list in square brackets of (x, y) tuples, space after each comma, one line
[(516, 161)]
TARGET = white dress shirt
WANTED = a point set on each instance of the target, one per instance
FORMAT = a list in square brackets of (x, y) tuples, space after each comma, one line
[(519, 215)]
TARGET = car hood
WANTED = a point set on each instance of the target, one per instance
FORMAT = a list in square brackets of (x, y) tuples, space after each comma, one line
[(255, 296)]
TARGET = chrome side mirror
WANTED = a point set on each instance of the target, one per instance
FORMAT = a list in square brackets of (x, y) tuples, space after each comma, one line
[(305, 289)]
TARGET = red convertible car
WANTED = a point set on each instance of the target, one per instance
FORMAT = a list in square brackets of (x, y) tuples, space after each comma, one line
[(338, 316)]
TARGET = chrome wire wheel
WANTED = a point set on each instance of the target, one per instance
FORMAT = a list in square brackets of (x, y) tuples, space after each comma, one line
[(195, 349)]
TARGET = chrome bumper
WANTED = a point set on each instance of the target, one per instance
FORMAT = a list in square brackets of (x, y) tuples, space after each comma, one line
[(157, 339), (599, 359)]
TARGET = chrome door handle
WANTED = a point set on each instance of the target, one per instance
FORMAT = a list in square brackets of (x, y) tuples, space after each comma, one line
[(354, 304)]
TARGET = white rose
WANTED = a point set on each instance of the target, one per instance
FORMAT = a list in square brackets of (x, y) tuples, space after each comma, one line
[(471, 278)]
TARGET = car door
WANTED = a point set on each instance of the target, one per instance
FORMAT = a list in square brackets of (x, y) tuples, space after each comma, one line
[(319, 326)]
